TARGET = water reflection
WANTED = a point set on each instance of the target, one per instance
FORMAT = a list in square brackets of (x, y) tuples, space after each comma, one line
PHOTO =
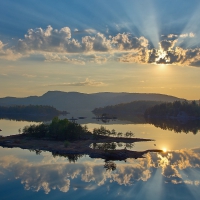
[(176, 125), (160, 170), (112, 146), (28, 118)]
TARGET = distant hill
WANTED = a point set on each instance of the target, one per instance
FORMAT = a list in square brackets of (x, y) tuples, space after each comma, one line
[(76, 102)]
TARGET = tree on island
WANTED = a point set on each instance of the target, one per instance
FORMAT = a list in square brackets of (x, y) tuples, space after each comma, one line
[(62, 129), (58, 129)]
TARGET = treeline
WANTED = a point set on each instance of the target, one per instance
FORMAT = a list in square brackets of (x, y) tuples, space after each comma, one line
[(105, 132), (58, 129), (30, 110), (177, 109), (135, 107), (62, 129)]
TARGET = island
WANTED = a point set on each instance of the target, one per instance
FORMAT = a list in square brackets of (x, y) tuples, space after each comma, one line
[(35, 113), (62, 137), (182, 110)]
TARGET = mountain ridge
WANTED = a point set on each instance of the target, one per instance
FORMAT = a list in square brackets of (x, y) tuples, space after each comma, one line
[(72, 101)]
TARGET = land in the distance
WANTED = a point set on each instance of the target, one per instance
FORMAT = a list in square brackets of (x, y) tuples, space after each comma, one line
[(75, 101)]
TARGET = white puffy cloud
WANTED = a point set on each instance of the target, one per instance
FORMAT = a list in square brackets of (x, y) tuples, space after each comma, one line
[(98, 43), (49, 40), (124, 42), (53, 40), (60, 46)]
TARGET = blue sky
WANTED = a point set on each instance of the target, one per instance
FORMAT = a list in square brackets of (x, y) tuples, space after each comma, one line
[(40, 41)]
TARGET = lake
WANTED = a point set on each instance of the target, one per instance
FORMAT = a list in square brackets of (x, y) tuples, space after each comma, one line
[(171, 175)]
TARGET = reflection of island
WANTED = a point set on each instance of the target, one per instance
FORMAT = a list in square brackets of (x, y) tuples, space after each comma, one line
[(105, 118), (78, 147), (176, 125), (28, 117)]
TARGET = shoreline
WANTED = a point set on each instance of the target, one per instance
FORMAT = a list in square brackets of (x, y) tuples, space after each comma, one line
[(76, 147)]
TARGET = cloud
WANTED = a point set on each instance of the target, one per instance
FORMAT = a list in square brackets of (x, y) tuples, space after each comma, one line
[(97, 59), (29, 75), (184, 35), (49, 40), (126, 42), (53, 57), (178, 55), (87, 82), (142, 56), (53, 40), (8, 53), (98, 43), (59, 46), (55, 173), (89, 31), (191, 35)]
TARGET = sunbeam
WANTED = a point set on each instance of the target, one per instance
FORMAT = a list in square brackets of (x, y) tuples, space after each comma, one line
[(146, 21), (192, 27)]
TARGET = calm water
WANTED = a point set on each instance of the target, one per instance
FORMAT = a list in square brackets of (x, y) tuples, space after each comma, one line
[(171, 175)]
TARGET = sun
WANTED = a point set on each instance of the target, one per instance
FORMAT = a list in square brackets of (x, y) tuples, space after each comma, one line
[(164, 150)]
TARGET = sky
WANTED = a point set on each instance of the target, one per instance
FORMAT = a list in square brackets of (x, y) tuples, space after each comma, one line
[(146, 46)]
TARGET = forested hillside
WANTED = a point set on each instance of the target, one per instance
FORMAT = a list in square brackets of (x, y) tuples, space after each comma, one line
[(176, 109), (135, 107), (30, 110)]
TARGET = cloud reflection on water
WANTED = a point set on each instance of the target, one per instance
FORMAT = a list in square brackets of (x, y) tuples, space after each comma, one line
[(177, 167)]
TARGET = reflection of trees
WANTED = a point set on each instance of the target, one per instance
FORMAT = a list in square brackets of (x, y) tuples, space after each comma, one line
[(72, 158), (109, 165), (37, 151), (129, 145), (175, 125), (104, 146), (125, 145), (27, 117), (111, 145)]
